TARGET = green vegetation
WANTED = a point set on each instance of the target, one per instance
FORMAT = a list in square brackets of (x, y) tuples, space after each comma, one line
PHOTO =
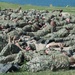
[(70, 72), (4, 5)]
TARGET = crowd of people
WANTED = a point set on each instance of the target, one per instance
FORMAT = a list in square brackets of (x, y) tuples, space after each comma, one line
[(37, 40)]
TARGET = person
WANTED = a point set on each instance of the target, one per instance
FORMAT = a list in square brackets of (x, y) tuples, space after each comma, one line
[(25, 46), (33, 28), (10, 48), (55, 36), (14, 32), (13, 58), (42, 32), (11, 53), (54, 60)]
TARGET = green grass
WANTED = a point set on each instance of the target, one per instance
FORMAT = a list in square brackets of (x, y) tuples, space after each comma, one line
[(70, 72), (4, 5)]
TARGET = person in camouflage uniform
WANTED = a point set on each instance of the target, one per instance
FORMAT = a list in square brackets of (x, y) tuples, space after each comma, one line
[(34, 27), (42, 32), (10, 48), (13, 58), (31, 22), (55, 36), (11, 53), (15, 32), (53, 61), (3, 41)]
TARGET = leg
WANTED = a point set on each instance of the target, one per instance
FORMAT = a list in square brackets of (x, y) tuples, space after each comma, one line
[(6, 50), (8, 58), (18, 58)]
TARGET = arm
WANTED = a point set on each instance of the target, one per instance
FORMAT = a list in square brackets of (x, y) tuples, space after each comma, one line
[(19, 46), (9, 39), (53, 44)]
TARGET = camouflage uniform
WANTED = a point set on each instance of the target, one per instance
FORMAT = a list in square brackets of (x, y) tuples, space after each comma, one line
[(2, 41), (13, 15), (56, 36), (72, 19), (42, 32), (33, 28), (15, 32), (53, 61), (13, 58), (69, 26), (9, 49), (27, 28), (65, 39), (69, 43), (28, 55), (72, 31)]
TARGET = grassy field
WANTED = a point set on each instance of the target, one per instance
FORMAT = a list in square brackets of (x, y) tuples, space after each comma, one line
[(70, 72), (4, 5)]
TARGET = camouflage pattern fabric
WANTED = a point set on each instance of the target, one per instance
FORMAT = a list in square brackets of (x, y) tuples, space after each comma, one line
[(13, 58), (53, 61), (42, 32), (15, 32), (9, 49)]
